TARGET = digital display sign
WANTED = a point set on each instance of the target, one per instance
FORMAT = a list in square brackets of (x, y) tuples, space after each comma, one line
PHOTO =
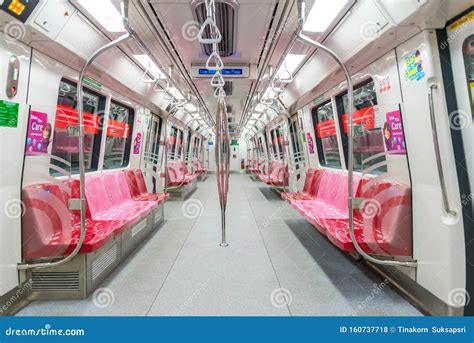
[(20, 9), (225, 71)]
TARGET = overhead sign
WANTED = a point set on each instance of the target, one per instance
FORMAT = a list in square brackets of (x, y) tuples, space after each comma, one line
[(236, 71)]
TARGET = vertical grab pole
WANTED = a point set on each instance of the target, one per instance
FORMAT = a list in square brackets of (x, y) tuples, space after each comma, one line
[(165, 154), (222, 164), (82, 172), (350, 92)]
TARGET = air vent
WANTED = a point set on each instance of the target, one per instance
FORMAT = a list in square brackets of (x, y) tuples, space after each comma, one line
[(226, 20), (55, 281), (104, 261), (228, 88)]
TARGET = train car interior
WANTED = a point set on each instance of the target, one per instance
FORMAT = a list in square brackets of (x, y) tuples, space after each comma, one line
[(236, 158)]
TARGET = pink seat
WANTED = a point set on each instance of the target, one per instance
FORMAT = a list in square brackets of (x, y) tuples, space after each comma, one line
[(109, 198), (311, 185), (51, 230), (138, 190), (383, 227), (73, 192), (184, 168), (176, 175)]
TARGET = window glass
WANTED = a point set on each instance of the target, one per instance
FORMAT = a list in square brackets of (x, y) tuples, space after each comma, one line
[(65, 138), (279, 141), (153, 140), (294, 138), (468, 52), (188, 146), (119, 134), (179, 143), (273, 145), (326, 133), (368, 136), (260, 146), (172, 142)]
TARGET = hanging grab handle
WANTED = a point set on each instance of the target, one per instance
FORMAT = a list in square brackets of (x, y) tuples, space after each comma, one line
[(214, 62), (217, 80), (214, 31)]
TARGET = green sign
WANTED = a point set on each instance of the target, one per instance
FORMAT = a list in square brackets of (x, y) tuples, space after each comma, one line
[(92, 83), (234, 142), (9, 113)]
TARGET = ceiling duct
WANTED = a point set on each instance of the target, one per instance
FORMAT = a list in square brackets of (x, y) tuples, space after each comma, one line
[(226, 20)]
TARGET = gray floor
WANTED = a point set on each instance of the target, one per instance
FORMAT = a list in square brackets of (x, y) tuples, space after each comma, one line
[(276, 265)]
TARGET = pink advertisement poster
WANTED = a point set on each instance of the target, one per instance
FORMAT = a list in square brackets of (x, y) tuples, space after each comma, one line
[(137, 144), (309, 140), (393, 133), (39, 133)]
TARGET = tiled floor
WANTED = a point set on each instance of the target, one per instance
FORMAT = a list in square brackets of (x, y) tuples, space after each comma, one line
[(277, 264)]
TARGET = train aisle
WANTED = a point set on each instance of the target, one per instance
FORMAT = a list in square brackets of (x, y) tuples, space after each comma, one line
[(276, 264)]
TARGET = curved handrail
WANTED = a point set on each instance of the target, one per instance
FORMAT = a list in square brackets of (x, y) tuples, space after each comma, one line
[(80, 111), (350, 91)]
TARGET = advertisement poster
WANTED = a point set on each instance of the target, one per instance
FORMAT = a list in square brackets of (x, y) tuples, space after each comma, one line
[(310, 143), (414, 66), (393, 133), (137, 144), (39, 133)]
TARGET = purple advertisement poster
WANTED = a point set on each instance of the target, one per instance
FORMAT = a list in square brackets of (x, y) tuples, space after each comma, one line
[(39, 133), (393, 133), (310, 143), (137, 144)]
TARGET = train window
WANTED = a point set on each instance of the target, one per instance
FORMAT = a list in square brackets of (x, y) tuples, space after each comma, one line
[(273, 145), (468, 52), (267, 146), (326, 136), (118, 142), (195, 147), (293, 123), (368, 136), (260, 146), (172, 142), (179, 143), (65, 144), (188, 146), (153, 140), (279, 141)]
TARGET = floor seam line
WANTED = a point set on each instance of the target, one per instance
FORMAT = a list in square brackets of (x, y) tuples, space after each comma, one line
[(266, 249)]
